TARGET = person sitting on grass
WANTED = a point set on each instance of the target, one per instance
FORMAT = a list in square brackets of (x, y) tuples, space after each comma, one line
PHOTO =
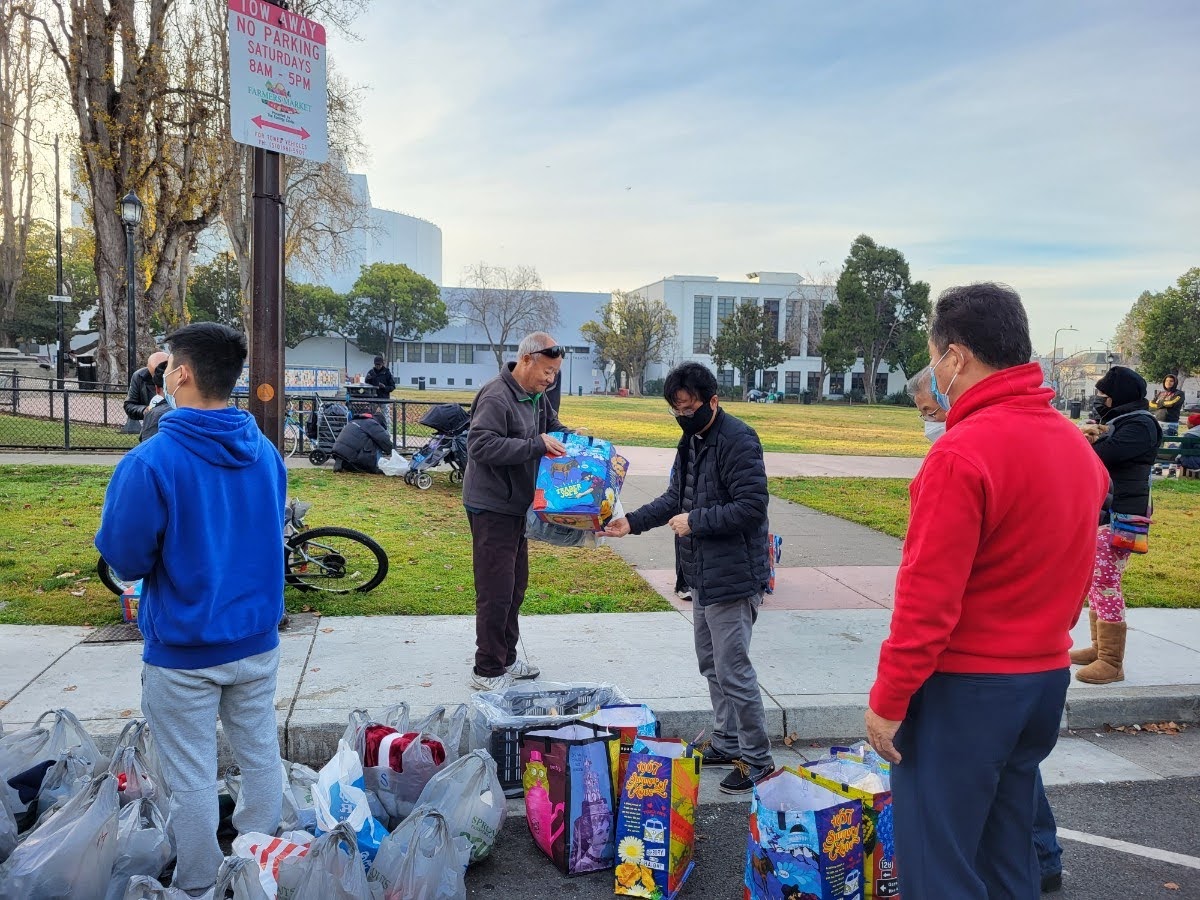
[(360, 445)]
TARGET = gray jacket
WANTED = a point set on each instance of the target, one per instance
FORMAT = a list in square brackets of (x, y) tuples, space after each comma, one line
[(504, 445)]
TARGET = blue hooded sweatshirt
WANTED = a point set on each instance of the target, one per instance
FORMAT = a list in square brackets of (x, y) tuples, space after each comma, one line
[(197, 514)]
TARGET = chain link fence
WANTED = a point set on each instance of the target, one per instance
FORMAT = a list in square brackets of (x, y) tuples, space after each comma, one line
[(35, 414)]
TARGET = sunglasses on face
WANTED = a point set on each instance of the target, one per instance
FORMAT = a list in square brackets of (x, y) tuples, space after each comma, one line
[(554, 352)]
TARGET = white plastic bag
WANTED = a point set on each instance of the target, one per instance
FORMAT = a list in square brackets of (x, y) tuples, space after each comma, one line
[(468, 793), (340, 796), (63, 780), (72, 853), (422, 860), (331, 870), (135, 763), (22, 750), (437, 744), (297, 782), (143, 887), (243, 877), (8, 829), (265, 853), (143, 847), (394, 464)]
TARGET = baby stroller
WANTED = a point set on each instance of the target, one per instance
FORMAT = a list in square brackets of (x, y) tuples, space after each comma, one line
[(448, 445), (323, 428)]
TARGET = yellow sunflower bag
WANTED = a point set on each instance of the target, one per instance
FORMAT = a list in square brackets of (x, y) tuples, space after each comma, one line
[(656, 818)]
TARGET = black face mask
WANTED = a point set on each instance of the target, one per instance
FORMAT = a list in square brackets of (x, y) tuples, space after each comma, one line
[(697, 421), (1100, 407)]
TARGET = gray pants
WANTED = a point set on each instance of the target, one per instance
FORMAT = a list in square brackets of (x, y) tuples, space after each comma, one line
[(182, 706), (723, 651)]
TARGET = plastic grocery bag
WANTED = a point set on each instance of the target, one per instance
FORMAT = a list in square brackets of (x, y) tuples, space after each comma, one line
[(629, 721), (331, 870), (399, 758), (265, 853), (394, 464), (63, 780), (340, 796), (561, 535), (143, 847), (468, 793), (72, 853), (22, 750), (243, 877), (297, 783), (422, 860), (135, 763), (8, 829), (143, 887)]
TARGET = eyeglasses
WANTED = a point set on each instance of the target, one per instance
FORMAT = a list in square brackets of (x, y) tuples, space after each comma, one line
[(554, 352), (928, 417)]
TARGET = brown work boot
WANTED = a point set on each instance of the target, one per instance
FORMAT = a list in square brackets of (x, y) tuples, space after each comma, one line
[(1109, 665), (1086, 655)]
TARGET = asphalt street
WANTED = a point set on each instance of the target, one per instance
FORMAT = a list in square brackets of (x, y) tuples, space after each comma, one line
[(1161, 814)]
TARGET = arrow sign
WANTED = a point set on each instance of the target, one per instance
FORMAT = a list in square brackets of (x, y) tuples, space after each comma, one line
[(265, 123)]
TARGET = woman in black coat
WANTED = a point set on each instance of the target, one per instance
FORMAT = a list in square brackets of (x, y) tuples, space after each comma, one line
[(1126, 441)]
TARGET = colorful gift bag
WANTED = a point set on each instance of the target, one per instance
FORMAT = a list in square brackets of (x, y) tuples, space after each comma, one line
[(656, 818), (805, 841), (629, 722), (867, 779), (130, 597), (580, 488), (774, 554), (569, 777)]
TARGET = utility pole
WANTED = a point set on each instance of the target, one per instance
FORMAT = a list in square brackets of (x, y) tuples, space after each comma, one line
[(266, 305), (60, 368)]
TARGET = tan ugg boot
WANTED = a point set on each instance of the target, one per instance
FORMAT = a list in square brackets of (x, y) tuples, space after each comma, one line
[(1087, 655), (1109, 666)]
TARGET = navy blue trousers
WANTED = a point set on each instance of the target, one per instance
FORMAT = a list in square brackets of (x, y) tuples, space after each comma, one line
[(965, 794)]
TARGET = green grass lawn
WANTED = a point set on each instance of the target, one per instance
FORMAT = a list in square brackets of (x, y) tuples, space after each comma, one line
[(25, 431), (1167, 576), (49, 515)]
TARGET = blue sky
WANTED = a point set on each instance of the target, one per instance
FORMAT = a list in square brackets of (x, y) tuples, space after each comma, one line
[(1053, 146)]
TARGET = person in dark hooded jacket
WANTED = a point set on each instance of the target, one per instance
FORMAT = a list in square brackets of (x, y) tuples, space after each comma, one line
[(1127, 443), (360, 445)]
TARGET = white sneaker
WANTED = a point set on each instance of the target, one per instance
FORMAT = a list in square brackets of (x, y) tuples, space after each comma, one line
[(523, 671), (498, 683)]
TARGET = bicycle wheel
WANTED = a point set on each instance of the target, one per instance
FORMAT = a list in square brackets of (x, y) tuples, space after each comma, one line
[(109, 578), (335, 560), (291, 439)]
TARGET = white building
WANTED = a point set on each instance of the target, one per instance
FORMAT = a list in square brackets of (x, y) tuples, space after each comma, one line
[(700, 302)]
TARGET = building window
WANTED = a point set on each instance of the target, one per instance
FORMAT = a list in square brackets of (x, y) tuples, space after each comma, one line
[(449, 351), (792, 325), (449, 381), (771, 308), (510, 348), (415, 381), (702, 325), (725, 378), (466, 355), (856, 382), (724, 310), (412, 353), (469, 382), (431, 353), (433, 381), (770, 380), (814, 383), (792, 382), (881, 384)]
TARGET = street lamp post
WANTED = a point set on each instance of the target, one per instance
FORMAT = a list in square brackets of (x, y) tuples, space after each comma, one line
[(1054, 357), (60, 367), (131, 216)]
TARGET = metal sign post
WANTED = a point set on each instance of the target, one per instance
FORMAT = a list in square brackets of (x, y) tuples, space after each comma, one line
[(278, 105)]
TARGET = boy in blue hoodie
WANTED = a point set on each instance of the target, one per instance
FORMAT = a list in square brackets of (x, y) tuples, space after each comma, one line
[(197, 514)]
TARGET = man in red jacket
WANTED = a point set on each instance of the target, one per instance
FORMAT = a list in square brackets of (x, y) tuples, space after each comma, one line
[(973, 677)]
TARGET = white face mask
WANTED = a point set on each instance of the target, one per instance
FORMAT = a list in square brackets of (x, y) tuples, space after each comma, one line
[(934, 430)]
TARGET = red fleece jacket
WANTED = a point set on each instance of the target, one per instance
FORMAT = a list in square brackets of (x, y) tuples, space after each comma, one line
[(1001, 542)]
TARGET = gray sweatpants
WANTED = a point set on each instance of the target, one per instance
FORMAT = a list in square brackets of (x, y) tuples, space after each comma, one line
[(182, 706), (723, 651)]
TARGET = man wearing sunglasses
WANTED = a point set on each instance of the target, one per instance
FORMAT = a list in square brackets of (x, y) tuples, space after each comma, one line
[(510, 421)]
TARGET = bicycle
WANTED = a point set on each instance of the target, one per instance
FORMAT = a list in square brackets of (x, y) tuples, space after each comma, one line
[(330, 558), (293, 432)]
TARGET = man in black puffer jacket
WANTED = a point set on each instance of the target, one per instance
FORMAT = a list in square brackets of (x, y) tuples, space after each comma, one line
[(716, 504), (360, 444)]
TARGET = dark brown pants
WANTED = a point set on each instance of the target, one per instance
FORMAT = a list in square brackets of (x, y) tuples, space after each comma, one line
[(500, 555)]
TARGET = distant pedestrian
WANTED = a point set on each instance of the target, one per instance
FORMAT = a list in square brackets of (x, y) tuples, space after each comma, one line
[(158, 407), (510, 424), (973, 675), (1126, 441), (1167, 404), (716, 503), (380, 376), (142, 390), (197, 514)]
